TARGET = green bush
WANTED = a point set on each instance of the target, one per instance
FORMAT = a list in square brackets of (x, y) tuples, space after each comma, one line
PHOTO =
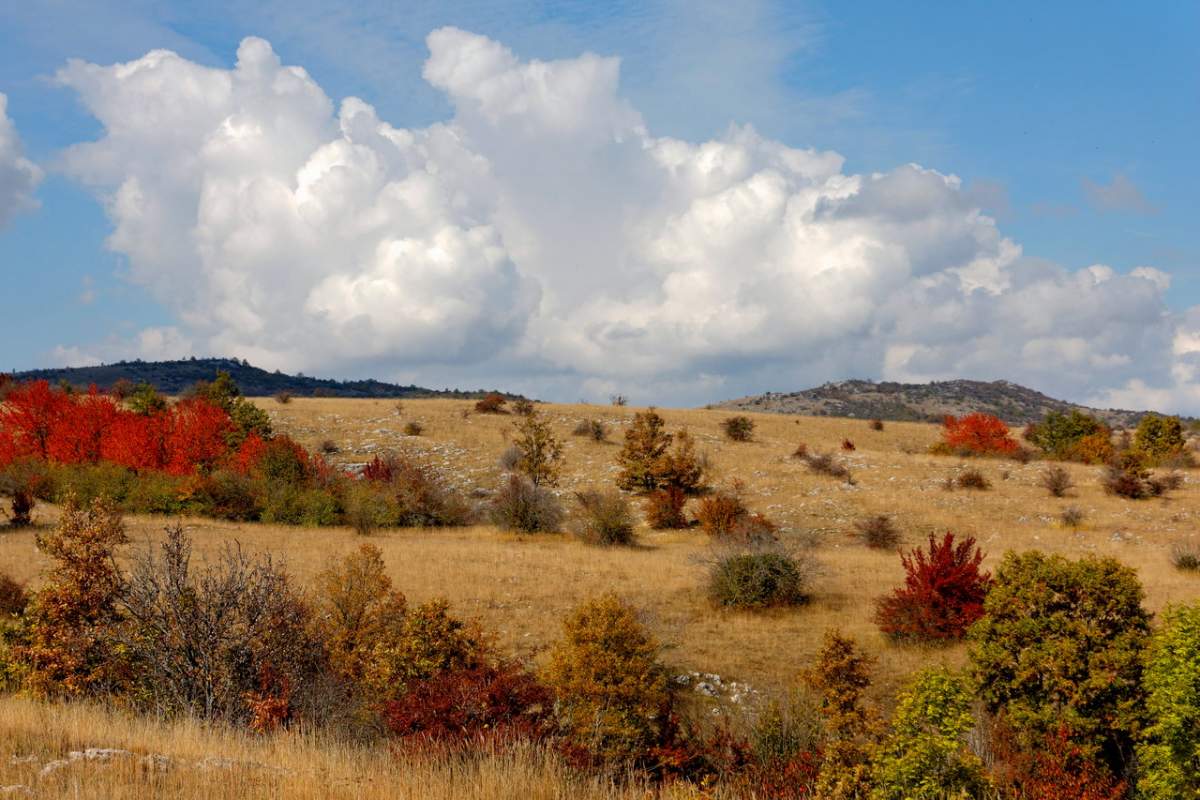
[(738, 429), (91, 481), (925, 756), (1159, 438), (1060, 645), (1059, 435), (758, 579), (289, 504), (1169, 754)]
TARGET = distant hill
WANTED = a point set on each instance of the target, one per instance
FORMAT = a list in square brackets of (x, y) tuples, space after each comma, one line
[(924, 402), (172, 377)]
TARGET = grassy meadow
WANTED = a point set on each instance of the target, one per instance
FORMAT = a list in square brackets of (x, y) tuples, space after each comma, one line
[(520, 587)]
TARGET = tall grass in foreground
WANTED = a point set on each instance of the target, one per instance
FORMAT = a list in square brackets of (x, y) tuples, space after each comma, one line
[(217, 763)]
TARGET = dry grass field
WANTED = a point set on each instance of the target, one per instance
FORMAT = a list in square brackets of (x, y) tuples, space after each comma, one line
[(520, 586)]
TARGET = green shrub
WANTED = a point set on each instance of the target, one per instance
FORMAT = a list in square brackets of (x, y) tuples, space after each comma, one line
[(758, 579), (613, 697), (518, 505), (1186, 556), (602, 518), (156, 493), (289, 504), (1060, 435), (1169, 754), (925, 755), (227, 495), (91, 481), (1159, 438), (430, 642), (368, 508), (1060, 644)]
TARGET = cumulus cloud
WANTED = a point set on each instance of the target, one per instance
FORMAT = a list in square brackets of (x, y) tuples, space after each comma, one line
[(18, 176), (544, 239)]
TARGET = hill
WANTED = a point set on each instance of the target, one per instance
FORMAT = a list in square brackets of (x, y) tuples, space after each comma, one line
[(923, 402), (172, 377)]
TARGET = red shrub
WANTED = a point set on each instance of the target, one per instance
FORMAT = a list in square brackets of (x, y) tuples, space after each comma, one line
[(379, 469), (462, 706), (248, 454), (979, 434), (942, 595), (1058, 770), (794, 778)]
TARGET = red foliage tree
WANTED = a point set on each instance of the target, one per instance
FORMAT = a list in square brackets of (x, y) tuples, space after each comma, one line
[(138, 441), (78, 435), (31, 413), (196, 440), (942, 595), (978, 433)]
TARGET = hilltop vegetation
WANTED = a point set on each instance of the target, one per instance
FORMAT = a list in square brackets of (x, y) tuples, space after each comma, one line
[(173, 377)]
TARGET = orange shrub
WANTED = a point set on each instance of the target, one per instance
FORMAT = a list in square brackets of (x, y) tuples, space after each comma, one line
[(977, 434)]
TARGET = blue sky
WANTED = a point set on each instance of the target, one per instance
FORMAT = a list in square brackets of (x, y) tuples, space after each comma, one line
[(1073, 125)]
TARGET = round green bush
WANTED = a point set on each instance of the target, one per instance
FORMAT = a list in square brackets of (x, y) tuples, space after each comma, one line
[(757, 580)]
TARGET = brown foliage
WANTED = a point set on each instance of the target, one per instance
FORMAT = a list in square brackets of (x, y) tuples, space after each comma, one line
[(664, 508), (491, 404), (70, 649)]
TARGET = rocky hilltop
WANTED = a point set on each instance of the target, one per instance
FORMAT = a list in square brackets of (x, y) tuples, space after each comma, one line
[(923, 402)]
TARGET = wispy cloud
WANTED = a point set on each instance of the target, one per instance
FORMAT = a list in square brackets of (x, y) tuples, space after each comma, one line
[(1121, 194)]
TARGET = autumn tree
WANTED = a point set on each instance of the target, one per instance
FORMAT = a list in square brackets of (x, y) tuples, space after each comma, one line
[(541, 451)]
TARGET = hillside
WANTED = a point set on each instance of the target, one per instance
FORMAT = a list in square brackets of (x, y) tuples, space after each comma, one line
[(923, 402), (172, 377)]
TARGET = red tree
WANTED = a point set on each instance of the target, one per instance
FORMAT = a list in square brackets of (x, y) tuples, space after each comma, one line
[(196, 440), (977, 433), (138, 441), (30, 414), (942, 594), (79, 433)]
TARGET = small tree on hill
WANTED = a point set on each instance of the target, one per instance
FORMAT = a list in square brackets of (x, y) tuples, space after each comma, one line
[(840, 677), (1159, 438), (646, 441), (541, 451), (72, 617)]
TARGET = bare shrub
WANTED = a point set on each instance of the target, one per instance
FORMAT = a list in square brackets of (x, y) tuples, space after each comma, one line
[(413, 428), (423, 499), (827, 464), (801, 451), (738, 429), (510, 458), (618, 400), (230, 642), (283, 398), (519, 505), (877, 531), (1056, 480), (876, 424), (972, 478), (522, 406), (603, 518), (1161, 484), (1186, 556), (594, 429), (1071, 517)]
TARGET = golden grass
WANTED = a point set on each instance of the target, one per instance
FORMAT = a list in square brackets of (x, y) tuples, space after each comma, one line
[(207, 763), (520, 587)]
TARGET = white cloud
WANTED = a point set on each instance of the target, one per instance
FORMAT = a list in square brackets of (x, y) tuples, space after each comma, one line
[(544, 239), (18, 175)]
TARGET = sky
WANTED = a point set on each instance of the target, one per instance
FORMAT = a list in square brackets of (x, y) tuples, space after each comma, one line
[(678, 202)]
